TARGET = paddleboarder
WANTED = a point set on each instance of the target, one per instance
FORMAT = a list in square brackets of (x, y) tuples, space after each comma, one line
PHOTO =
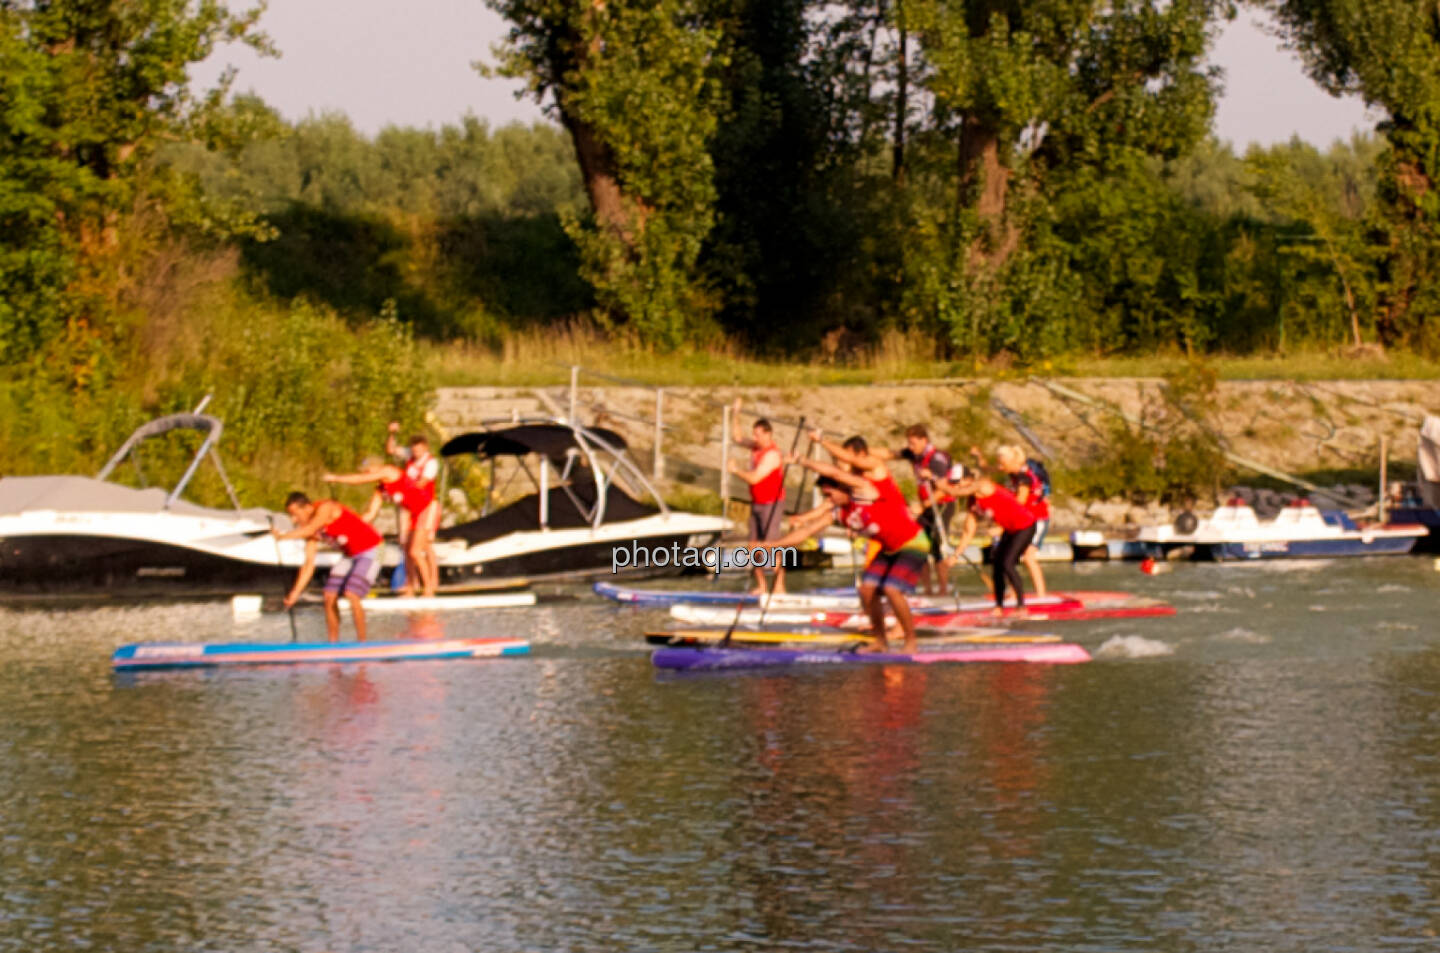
[(854, 502), (1031, 486), (855, 455), (766, 479), (420, 517), (356, 571), (935, 508), (1017, 525)]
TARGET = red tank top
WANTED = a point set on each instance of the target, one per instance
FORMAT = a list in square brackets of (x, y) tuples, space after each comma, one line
[(886, 520), (352, 534), (772, 487), (888, 489), (412, 495), (1007, 511)]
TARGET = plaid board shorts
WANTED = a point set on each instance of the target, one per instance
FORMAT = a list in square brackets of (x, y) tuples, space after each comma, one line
[(354, 575), (900, 569)]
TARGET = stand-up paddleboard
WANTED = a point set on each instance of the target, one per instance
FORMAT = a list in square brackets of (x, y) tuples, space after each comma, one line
[(926, 619), (811, 637), (242, 606), (838, 599), (148, 655), (716, 659)]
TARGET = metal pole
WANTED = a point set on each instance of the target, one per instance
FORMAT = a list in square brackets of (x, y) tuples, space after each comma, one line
[(724, 459), (1382, 499), (659, 469), (574, 391)]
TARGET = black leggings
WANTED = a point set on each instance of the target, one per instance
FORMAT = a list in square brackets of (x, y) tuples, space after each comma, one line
[(1005, 557)]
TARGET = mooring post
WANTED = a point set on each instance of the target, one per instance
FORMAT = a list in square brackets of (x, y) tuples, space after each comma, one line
[(659, 432), (724, 459), (574, 390)]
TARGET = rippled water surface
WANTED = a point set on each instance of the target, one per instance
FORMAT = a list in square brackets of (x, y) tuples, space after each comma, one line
[(1261, 773)]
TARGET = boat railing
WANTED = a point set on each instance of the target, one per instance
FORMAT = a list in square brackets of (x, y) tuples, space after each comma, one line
[(210, 426)]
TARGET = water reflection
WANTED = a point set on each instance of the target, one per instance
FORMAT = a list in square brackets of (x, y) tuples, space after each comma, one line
[(1238, 794)]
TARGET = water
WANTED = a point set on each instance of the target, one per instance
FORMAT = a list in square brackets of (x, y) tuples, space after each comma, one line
[(1261, 773)]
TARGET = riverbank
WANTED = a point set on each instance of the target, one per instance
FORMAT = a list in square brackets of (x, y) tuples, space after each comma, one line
[(1324, 432)]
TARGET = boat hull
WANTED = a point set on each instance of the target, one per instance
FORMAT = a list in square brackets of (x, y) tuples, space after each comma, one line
[(1306, 549)]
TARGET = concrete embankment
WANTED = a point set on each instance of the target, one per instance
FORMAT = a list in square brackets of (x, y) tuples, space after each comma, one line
[(1291, 427)]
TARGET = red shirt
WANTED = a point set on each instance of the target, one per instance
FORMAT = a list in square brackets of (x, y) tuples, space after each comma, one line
[(886, 520), (1009, 514), (1035, 502), (771, 488), (888, 488), (352, 534)]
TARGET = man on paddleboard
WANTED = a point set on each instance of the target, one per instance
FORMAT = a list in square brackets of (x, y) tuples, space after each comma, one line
[(353, 575), (854, 502), (766, 479)]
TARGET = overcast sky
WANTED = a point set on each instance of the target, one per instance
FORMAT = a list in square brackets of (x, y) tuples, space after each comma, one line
[(408, 63)]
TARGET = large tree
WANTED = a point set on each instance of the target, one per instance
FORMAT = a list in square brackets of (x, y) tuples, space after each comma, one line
[(1388, 51), (633, 81)]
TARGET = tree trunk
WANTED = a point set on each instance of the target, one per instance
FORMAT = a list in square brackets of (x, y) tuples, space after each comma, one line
[(597, 169), (984, 182), (902, 90)]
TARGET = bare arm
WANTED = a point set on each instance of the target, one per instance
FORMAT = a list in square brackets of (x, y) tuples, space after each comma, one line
[(968, 533), (306, 573), (392, 447), (737, 434), (865, 461), (386, 474), (835, 473), (324, 513), (812, 524), (769, 463)]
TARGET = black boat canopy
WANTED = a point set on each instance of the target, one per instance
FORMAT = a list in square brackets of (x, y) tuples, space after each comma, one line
[(549, 440)]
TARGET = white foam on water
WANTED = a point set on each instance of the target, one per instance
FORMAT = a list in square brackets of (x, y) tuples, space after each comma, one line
[(1245, 591), (1212, 608), (1243, 635), (1205, 595), (1133, 646), (1396, 627), (1318, 608), (1393, 587)]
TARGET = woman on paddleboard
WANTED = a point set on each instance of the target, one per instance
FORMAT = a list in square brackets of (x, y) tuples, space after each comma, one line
[(1017, 525), (854, 502)]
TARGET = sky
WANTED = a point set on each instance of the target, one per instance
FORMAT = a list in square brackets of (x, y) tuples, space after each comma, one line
[(408, 63)]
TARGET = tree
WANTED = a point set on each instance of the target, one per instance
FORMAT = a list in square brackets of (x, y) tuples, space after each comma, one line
[(88, 93), (633, 82), (1388, 51)]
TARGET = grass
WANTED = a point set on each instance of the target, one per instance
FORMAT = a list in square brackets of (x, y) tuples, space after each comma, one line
[(542, 357)]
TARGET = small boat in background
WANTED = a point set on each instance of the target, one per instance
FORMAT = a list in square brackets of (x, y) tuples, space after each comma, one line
[(1300, 531)]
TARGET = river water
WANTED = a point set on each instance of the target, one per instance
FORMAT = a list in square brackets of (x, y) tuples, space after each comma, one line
[(1260, 773)]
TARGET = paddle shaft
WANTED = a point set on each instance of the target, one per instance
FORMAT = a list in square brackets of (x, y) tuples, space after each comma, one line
[(280, 561)]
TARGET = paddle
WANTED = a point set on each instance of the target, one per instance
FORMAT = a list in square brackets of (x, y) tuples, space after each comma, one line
[(280, 561), (769, 524)]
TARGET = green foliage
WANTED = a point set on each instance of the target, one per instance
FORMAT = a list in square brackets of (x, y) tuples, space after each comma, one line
[(633, 81)]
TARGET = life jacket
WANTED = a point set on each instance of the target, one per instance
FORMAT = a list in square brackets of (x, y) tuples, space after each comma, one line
[(352, 534), (886, 520), (924, 473), (770, 489)]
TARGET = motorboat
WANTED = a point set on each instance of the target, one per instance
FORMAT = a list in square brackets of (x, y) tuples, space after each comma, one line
[(582, 501), (1297, 531), (65, 536)]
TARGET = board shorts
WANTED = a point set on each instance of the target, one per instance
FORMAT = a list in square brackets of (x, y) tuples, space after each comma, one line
[(900, 569), (354, 575), (766, 521), (926, 519), (1040, 527)]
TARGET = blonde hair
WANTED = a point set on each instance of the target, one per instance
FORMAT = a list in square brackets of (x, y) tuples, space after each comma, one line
[(1009, 454)]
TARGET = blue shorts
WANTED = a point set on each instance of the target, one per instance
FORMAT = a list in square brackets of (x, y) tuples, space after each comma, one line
[(354, 575), (1040, 527)]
